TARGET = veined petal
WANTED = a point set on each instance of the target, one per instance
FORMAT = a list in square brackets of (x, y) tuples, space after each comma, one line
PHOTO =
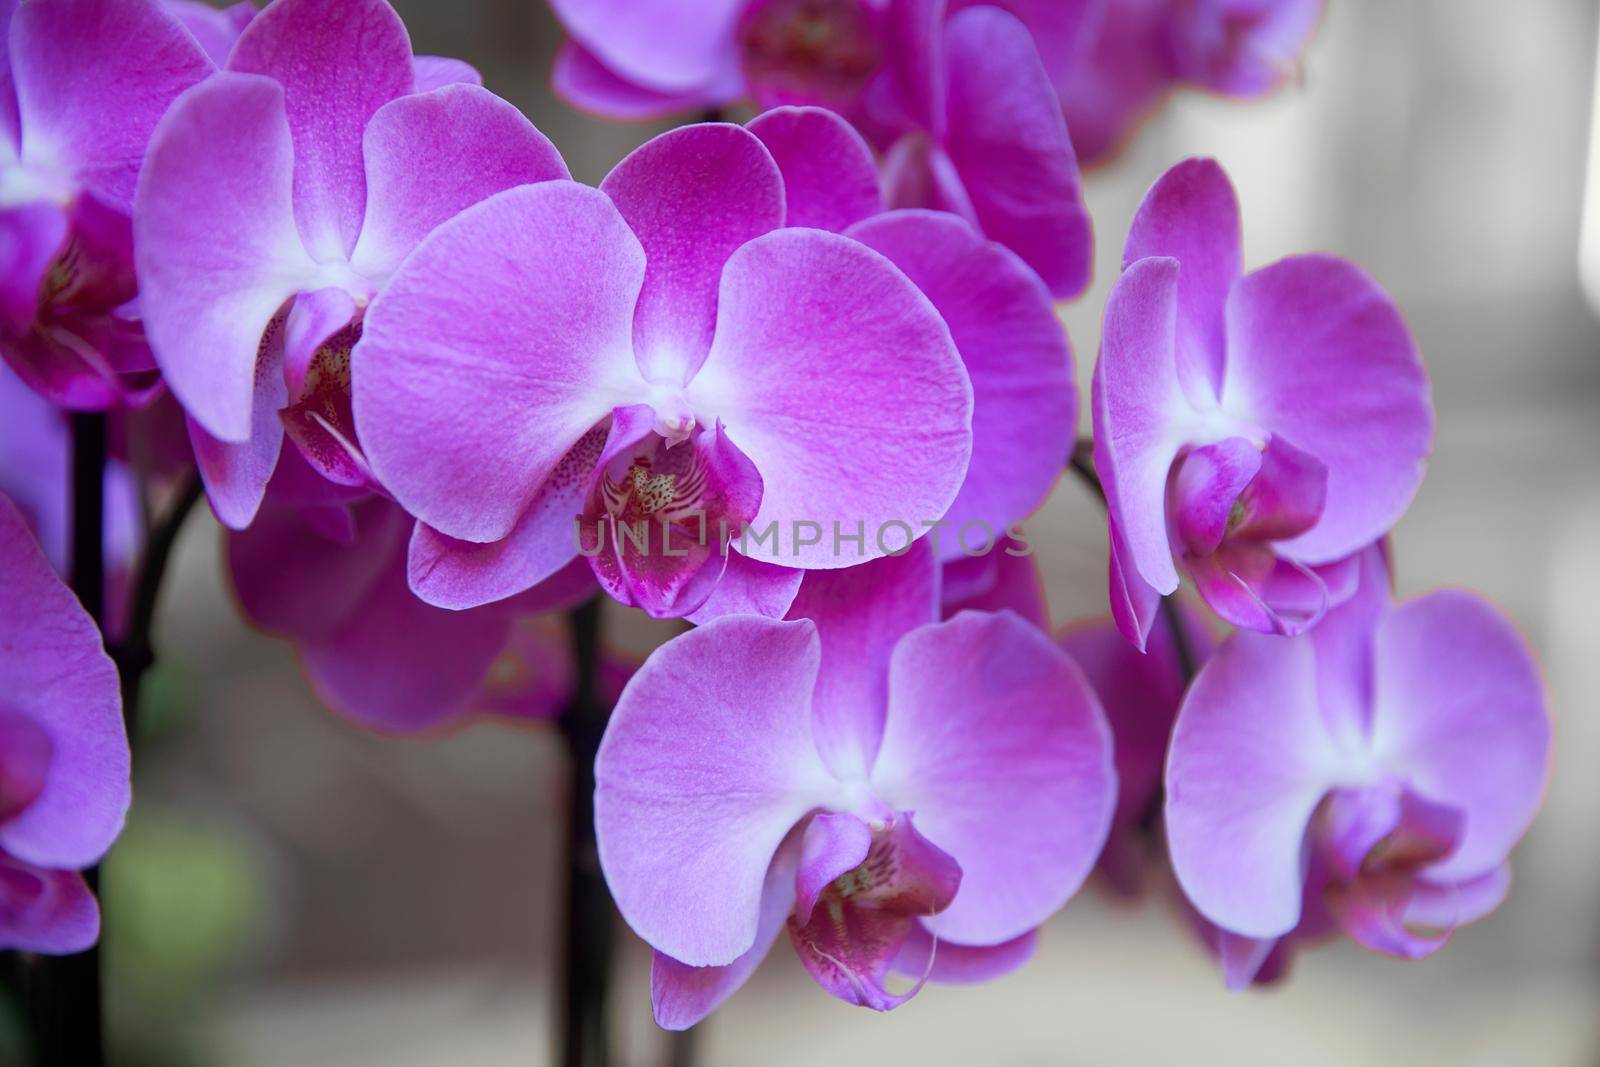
[(1459, 713), (692, 196), (456, 574), (861, 613), (838, 379), (706, 766), (1141, 415), (996, 742), (829, 177), (216, 245), (92, 78), (338, 61), (503, 339), (54, 671), (682, 996), (1191, 214), (1015, 350), (1009, 142), (1318, 353), (1250, 761), (430, 155)]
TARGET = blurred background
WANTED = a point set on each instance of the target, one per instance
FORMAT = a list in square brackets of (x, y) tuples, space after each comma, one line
[(293, 891)]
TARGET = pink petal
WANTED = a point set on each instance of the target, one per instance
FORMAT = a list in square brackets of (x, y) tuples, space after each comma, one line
[(834, 844), (1318, 353), (750, 587), (1459, 711), (830, 179), (92, 77), (583, 81), (32, 236), (338, 61), (1207, 486), (1250, 761), (460, 574), (216, 245), (1016, 353), (476, 145), (55, 673), (216, 29), (995, 740), (1141, 418), (693, 196), (50, 912), (861, 614), (955, 964), (1013, 583), (839, 381), (1009, 143), (236, 474), (682, 996), (435, 72), (706, 766), (1191, 214), (663, 47), (502, 340)]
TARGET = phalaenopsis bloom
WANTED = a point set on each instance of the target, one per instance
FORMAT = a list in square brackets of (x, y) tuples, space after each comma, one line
[(82, 85), (63, 752), (1137, 51), (956, 97), (1254, 430), (664, 360), (895, 793), (1370, 777), (278, 197)]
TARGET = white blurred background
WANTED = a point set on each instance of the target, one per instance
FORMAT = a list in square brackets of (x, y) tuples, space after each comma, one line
[(295, 892)]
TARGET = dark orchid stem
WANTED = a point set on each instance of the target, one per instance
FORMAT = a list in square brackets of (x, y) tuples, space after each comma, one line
[(590, 931), (64, 1000), (1081, 463), (135, 653), (713, 114)]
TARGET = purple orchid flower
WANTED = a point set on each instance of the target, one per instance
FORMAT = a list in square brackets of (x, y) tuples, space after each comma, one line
[(328, 571), (1371, 776), (277, 198), (1000, 316), (1262, 429), (1140, 694), (898, 793), (64, 760), (215, 28), (956, 95), (666, 361), (1138, 51), (82, 84)]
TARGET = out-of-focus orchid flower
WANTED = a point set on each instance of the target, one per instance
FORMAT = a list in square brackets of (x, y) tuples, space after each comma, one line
[(956, 95), (216, 28), (1261, 429), (1000, 316), (35, 473), (895, 792), (1140, 50), (665, 360), (82, 85), (277, 198), (1371, 776), (1140, 694), (330, 575), (63, 752)]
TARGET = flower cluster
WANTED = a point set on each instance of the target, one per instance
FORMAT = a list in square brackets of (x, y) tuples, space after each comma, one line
[(797, 381)]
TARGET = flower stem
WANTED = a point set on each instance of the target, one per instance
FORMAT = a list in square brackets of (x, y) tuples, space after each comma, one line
[(64, 992), (585, 1032)]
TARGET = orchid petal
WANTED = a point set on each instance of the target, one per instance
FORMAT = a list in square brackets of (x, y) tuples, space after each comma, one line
[(502, 340), (830, 180), (997, 743)]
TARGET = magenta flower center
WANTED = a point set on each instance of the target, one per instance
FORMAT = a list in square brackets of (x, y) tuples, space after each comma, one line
[(809, 51)]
